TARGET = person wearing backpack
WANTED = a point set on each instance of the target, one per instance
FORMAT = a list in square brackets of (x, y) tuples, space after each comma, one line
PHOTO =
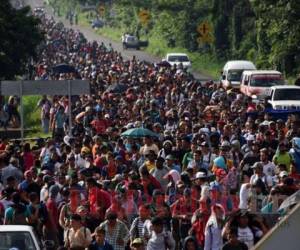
[(18, 213), (77, 237)]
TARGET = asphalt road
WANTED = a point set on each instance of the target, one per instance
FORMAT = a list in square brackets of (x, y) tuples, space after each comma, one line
[(92, 36)]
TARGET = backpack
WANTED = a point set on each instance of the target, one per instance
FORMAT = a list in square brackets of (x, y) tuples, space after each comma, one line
[(67, 242), (18, 218)]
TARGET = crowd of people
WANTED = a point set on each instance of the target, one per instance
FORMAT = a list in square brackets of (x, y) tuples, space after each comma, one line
[(215, 168)]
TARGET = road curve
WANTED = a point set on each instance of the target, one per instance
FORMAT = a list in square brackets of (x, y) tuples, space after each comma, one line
[(92, 36)]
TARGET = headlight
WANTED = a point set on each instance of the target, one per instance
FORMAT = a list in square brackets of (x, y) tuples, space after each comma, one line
[(278, 107)]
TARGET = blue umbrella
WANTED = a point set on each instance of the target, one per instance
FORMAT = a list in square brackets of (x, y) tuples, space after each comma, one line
[(138, 133)]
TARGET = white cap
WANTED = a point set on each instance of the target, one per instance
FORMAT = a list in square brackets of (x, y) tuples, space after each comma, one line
[(250, 138), (200, 175), (283, 174)]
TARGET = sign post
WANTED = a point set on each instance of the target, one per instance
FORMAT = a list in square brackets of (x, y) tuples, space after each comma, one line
[(144, 16), (101, 10), (42, 87), (205, 31)]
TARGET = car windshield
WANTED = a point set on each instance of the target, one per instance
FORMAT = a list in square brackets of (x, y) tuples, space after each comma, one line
[(16, 240), (235, 75), (266, 80), (287, 94), (178, 59), (131, 39)]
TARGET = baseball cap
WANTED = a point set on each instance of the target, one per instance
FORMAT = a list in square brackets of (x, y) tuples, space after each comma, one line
[(250, 137), (137, 242), (170, 157), (200, 175), (283, 174)]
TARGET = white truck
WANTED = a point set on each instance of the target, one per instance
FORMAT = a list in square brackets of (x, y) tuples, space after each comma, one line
[(259, 82), (178, 58), (285, 97), (21, 237)]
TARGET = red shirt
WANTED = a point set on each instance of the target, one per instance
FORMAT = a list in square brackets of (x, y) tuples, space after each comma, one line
[(28, 160), (52, 223), (99, 198), (2, 146), (100, 126), (182, 207)]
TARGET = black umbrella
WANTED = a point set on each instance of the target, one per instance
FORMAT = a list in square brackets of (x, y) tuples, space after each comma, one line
[(63, 68), (117, 88), (164, 64)]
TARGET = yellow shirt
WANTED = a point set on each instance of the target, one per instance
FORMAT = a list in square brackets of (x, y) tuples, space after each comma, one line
[(150, 165)]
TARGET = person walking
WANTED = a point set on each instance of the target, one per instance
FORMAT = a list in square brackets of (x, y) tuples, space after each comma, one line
[(77, 237), (213, 229), (160, 238), (117, 233)]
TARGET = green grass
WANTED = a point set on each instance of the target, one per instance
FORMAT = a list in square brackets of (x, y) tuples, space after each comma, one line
[(291, 80), (32, 117)]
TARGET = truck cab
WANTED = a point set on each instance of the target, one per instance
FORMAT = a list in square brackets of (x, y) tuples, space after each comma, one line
[(258, 83), (285, 97)]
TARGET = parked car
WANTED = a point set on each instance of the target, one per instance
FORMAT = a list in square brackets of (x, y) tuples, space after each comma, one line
[(19, 236), (130, 41), (178, 58), (232, 72), (97, 23), (285, 97), (258, 83)]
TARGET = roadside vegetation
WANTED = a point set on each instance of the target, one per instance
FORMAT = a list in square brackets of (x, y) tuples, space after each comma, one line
[(264, 32)]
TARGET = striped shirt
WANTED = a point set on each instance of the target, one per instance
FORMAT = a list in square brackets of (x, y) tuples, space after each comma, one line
[(137, 229)]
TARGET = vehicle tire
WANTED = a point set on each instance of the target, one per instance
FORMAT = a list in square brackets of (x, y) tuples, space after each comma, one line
[(137, 48)]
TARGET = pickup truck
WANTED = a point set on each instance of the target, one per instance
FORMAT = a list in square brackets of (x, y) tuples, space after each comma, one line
[(285, 98), (21, 237), (178, 58)]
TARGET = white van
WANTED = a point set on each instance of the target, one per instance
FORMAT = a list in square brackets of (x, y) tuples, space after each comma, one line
[(232, 72), (258, 83)]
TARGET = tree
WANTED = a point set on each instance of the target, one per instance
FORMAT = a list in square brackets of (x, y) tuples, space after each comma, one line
[(19, 37)]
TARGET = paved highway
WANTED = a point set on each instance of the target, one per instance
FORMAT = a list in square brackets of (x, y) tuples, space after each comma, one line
[(92, 36)]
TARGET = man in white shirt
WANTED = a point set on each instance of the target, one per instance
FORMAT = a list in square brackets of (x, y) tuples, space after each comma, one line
[(148, 146), (268, 166), (160, 238), (11, 170)]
